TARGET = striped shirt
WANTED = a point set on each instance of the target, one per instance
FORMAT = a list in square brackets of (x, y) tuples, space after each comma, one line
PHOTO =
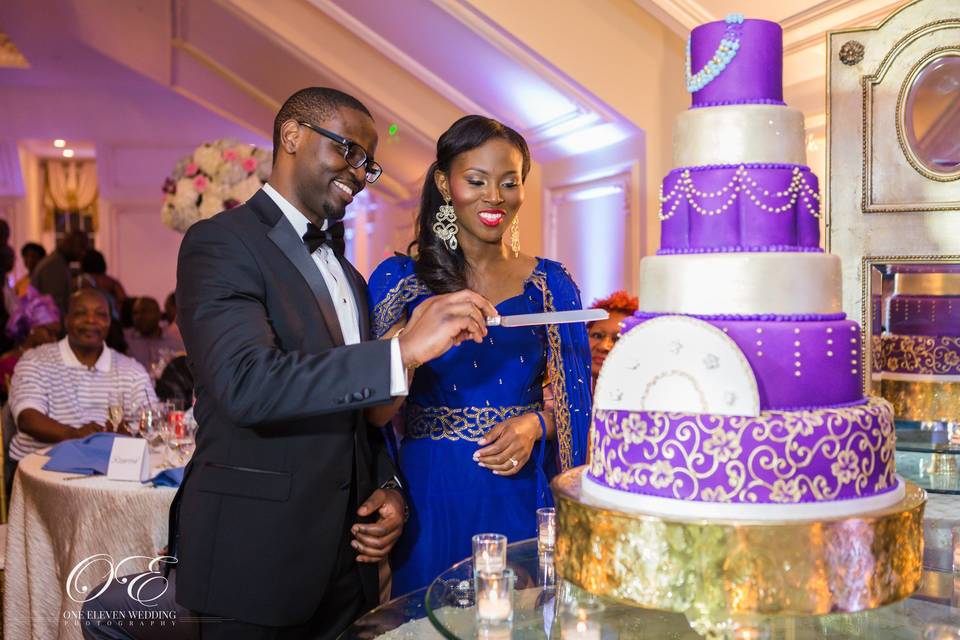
[(50, 379)]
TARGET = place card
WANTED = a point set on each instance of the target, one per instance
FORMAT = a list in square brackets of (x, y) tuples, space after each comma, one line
[(129, 460)]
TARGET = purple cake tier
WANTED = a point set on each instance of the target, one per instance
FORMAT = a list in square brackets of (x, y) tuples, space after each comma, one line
[(745, 207), (799, 362), (924, 315), (753, 76), (778, 457), (921, 355)]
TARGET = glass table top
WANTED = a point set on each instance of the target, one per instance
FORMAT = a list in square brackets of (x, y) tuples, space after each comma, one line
[(927, 441), (541, 607)]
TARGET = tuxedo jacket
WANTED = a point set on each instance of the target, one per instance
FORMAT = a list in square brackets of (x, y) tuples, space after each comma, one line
[(257, 523)]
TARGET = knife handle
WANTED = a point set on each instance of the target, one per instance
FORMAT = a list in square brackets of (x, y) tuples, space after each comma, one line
[(494, 321)]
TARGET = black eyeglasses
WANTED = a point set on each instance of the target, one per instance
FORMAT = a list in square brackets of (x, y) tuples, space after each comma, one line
[(354, 154)]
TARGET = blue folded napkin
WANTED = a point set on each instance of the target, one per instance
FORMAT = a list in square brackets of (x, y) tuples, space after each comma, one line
[(168, 478), (87, 457)]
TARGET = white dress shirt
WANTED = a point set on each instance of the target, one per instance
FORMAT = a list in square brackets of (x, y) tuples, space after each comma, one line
[(339, 288)]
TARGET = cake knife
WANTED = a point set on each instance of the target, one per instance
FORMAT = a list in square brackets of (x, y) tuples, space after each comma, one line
[(554, 317)]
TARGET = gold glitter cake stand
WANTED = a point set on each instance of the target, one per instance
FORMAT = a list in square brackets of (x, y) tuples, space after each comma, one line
[(718, 571)]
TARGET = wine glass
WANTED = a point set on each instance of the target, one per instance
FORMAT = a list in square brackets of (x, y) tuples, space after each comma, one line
[(114, 412), (179, 434)]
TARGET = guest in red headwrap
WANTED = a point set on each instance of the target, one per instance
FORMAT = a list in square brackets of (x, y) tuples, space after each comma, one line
[(603, 334)]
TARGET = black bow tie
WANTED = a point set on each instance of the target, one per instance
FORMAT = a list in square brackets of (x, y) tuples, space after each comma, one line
[(315, 237)]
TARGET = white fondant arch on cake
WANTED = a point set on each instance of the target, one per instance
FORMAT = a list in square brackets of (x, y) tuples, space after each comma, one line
[(677, 364), (741, 284), (739, 134)]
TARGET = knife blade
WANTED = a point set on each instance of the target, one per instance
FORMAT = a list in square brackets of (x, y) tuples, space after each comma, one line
[(553, 317)]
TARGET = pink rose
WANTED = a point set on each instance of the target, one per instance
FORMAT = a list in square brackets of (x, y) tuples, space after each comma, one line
[(200, 183), (250, 164), (192, 169), (230, 154)]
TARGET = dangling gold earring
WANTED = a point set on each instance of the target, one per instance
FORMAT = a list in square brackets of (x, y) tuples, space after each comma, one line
[(515, 236), (446, 225)]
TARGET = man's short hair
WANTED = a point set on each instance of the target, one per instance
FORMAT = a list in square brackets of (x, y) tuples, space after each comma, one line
[(36, 248), (314, 105), (87, 291)]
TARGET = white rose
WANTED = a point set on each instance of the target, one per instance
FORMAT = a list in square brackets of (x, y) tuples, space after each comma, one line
[(211, 205), (186, 194), (208, 159), (244, 190), (230, 173)]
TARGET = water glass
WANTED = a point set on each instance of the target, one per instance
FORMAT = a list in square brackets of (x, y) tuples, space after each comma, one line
[(546, 529), (489, 553)]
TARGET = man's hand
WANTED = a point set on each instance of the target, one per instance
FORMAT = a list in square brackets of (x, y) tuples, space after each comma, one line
[(442, 322), (374, 541), (89, 429)]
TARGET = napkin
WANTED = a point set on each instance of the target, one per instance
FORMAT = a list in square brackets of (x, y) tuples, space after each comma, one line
[(168, 478), (86, 457)]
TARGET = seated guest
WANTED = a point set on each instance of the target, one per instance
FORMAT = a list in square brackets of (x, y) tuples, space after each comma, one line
[(603, 334), (176, 382), (148, 342), (31, 254), (62, 390), (170, 314), (35, 321)]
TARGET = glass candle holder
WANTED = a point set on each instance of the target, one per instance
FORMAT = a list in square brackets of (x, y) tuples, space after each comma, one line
[(489, 553), (546, 529), (495, 597), (581, 621)]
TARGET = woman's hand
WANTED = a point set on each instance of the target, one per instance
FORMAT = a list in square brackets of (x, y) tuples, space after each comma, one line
[(507, 447)]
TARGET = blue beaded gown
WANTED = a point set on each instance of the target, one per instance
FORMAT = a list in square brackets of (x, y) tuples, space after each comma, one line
[(457, 398)]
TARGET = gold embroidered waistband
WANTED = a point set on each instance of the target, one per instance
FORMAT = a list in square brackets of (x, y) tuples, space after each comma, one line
[(458, 423)]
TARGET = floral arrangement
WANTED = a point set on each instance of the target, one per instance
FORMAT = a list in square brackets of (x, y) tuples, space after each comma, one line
[(217, 176)]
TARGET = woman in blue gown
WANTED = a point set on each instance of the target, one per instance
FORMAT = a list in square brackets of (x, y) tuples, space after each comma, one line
[(478, 445)]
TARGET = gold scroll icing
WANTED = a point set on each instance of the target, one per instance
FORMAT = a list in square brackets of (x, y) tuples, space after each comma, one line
[(794, 456), (924, 355)]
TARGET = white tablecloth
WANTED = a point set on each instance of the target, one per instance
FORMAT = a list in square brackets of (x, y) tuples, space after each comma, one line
[(57, 523)]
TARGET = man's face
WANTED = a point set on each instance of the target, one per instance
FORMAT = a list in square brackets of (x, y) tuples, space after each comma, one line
[(146, 316), (30, 260), (88, 320), (323, 180)]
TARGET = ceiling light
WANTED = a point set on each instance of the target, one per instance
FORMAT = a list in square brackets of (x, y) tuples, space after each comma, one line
[(59, 143), (68, 153)]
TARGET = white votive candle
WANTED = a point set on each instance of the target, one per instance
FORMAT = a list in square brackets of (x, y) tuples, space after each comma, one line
[(546, 529), (582, 630), (491, 607), (548, 536)]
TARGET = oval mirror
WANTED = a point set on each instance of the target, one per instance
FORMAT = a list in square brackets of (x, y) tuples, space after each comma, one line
[(932, 115)]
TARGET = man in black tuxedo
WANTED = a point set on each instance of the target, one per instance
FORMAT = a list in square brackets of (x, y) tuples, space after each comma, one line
[(290, 499)]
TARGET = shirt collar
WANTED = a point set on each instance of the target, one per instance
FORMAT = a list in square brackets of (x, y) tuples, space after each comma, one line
[(70, 358), (294, 215)]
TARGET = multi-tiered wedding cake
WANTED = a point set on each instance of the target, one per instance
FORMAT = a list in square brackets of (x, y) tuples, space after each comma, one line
[(920, 350), (735, 392)]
